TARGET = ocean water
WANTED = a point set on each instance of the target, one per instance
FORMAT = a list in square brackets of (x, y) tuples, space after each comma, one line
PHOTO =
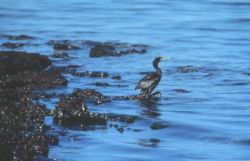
[(209, 121)]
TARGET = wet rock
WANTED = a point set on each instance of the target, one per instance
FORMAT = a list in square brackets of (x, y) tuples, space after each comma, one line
[(33, 80), (187, 69), (13, 62), (120, 129), (94, 74), (116, 49), (86, 118), (120, 117), (18, 37), (60, 55), (131, 97), (70, 69), (117, 77), (72, 110), (159, 125), (103, 50), (63, 45), (12, 45), (91, 95), (181, 90), (43, 95), (22, 130), (103, 84), (100, 84)]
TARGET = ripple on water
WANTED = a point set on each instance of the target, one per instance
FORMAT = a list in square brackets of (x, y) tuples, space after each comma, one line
[(204, 90)]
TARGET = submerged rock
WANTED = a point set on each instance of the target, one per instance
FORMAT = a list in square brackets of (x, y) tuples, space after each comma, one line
[(181, 90), (12, 45), (101, 84), (69, 69), (103, 50), (60, 55), (117, 77), (18, 37), (159, 125), (63, 45), (116, 49), (187, 69), (94, 74)]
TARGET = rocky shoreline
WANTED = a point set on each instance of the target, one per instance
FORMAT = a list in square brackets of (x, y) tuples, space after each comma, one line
[(23, 135)]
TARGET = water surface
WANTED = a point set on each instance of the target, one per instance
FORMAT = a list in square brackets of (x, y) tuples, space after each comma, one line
[(208, 122)]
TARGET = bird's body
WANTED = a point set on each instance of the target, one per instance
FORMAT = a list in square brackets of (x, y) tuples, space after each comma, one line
[(148, 83)]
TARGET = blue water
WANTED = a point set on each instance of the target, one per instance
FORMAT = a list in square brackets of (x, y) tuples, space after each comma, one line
[(210, 122)]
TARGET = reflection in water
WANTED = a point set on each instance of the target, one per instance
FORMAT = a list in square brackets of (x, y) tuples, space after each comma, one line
[(150, 108)]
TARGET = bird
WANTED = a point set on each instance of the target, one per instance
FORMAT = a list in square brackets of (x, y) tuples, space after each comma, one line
[(148, 83)]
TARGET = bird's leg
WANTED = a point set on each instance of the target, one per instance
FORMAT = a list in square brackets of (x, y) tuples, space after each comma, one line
[(144, 94), (156, 95)]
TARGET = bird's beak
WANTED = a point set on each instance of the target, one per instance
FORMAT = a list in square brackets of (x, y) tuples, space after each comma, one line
[(165, 58)]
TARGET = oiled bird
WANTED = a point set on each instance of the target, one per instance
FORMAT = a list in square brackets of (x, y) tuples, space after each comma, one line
[(148, 83)]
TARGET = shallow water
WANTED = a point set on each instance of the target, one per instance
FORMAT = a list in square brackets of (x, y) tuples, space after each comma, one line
[(210, 121)]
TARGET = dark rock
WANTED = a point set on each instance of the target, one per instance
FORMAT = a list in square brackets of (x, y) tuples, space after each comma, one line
[(22, 130), (159, 125), (33, 80), (181, 90), (103, 50), (187, 69), (18, 37), (13, 45), (120, 117), (63, 45), (117, 77), (116, 49), (13, 62), (52, 139), (95, 74), (132, 97), (100, 84), (70, 69), (72, 110), (91, 95), (60, 55)]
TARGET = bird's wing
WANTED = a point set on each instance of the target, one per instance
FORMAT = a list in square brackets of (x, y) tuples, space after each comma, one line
[(146, 81)]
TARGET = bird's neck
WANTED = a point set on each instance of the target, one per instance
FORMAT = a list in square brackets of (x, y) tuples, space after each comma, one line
[(158, 70)]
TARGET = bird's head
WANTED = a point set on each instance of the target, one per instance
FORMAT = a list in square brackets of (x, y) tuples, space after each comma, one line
[(157, 61)]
